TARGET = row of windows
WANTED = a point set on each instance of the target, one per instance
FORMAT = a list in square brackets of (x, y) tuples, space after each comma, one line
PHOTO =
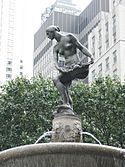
[(107, 66), (115, 73), (43, 51), (106, 37), (9, 70), (115, 2)]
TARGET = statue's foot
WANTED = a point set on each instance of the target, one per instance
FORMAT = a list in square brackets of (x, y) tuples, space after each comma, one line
[(64, 109)]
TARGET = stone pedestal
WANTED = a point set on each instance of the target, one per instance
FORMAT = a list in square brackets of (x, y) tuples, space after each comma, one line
[(66, 127)]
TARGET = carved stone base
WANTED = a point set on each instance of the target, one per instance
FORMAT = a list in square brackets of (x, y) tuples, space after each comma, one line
[(66, 128)]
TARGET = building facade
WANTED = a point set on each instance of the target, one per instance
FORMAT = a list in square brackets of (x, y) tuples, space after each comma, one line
[(107, 43), (100, 27), (7, 40)]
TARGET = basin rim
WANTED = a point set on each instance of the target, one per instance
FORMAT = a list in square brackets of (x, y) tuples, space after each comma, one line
[(62, 148)]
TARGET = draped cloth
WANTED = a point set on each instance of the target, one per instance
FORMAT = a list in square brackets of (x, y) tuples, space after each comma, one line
[(79, 72)]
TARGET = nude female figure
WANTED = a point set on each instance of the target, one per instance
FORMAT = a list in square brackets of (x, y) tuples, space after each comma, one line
[(73, 68)]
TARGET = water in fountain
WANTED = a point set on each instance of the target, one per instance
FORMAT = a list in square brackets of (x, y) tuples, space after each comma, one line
[(46, 134), (63, 154), (49, 134), (89, 134)]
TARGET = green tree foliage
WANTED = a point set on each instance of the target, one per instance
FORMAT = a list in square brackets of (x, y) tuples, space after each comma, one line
[(102, 110), (26, 108), (25, 111)]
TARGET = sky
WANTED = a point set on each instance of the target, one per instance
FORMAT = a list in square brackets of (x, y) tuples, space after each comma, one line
[(28, 20)]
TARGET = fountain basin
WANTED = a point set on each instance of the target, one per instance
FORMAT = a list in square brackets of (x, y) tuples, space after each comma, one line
[(63, 155)]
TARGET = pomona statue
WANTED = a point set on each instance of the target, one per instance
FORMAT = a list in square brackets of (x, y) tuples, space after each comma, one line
[(73, 67)]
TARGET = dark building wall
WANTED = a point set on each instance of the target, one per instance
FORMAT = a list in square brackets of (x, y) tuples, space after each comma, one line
[(42, 52), (40, 35), (91, 11), (105, 5), (66, 22)]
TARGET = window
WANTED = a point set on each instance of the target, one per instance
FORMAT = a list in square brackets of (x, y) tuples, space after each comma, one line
[(100, 43), (115, 76), (100, 69), (93, 75), (9, 69), (8, 76), (114, 37), (100, 36), (93, 41), (107, 44), (100, 50), (113, 2), (114, 19), (9, 62), (21, 67), (114, 57), (114, 28), (107, 63), (93, 46), (93, 55), (106, 27), (107, 35)]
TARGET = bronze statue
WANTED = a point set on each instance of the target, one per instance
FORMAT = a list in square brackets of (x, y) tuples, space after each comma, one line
[(73, 67)]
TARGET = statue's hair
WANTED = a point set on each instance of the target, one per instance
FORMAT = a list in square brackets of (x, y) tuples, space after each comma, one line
[(53, 28)]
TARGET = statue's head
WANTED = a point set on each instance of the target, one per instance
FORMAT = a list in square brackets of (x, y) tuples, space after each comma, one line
[(50, 31)]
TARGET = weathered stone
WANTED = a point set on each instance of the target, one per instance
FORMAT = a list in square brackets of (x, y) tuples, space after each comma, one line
[(63, 155), (66, 128)]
